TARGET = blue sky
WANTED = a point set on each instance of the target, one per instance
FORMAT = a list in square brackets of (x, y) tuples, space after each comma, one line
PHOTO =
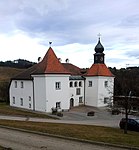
[(27, 26)]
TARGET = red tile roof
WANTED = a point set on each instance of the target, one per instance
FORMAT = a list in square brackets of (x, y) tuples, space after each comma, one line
[(51, 64), (74, 70), (99, 70)]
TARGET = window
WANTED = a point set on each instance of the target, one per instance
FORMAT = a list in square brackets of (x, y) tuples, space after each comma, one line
[(58, 105), (106, 83), (29, 105), (80, 99), (21, 101), (29, 98), (58, 85), (80, 84), (75, 84), (90, 84), (22, 84), (106, 100), (78, 91), (13, 100), (15, 84), (71, 84)]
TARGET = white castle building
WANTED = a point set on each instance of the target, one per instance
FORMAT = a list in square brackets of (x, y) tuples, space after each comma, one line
[(52, 84)]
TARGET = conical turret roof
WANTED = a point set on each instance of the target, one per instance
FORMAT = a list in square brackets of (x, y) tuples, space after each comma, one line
[(51, 64)]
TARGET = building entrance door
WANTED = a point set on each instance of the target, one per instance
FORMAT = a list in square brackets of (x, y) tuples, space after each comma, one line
[(71, 102)]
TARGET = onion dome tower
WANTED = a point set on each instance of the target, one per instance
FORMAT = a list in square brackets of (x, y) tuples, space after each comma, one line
[(99, 55)]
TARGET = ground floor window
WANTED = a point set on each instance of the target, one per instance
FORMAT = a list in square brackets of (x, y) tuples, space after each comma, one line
[(80, 99), (13, 100), (58, 105), (21, 101), (29, 105)]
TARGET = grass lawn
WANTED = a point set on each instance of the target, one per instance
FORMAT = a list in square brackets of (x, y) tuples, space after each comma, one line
[(11, 111), (88, 132)]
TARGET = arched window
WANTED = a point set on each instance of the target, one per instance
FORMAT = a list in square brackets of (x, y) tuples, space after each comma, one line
[(75, 84), (71, 84), (80, 84)]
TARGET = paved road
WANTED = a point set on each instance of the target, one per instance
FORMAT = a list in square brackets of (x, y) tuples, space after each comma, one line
[(18, 140), (91, 121), (79, 116)]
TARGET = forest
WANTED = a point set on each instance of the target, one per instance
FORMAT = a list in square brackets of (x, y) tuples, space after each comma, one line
[(126, 80)]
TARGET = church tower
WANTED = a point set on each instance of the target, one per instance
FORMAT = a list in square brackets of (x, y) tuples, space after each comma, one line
[(99, 80)]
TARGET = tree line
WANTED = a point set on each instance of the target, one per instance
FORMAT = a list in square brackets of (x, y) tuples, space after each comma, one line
[(19, 63), (126, 80)]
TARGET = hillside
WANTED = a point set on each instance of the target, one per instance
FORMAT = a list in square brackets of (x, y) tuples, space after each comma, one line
[(6, 73)]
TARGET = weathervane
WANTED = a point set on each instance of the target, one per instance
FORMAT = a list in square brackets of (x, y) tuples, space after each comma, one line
[(50, 44)]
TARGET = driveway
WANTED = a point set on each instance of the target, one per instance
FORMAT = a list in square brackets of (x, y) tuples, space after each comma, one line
[(78, 115), (102, 116)]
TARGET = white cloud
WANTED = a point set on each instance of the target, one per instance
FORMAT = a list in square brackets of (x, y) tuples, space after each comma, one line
[(20, 46), (26, 27)]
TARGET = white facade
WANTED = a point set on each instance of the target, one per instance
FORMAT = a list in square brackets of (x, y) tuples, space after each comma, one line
[(21, 94), (57, 92), (91, 91), (45, 92), (99, 91), (105, 91), (76, 92)]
